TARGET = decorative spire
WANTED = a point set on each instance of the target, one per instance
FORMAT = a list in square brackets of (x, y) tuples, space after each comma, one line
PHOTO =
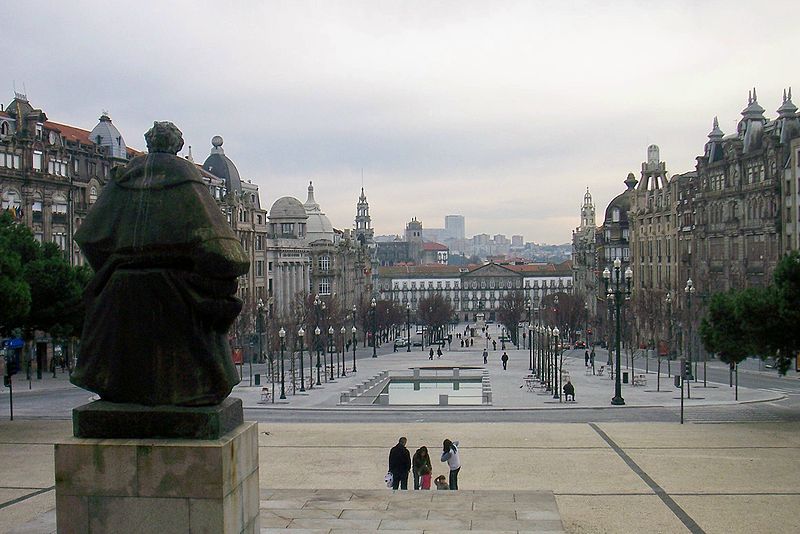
[(753, 110), (787, 109), (715, 133)]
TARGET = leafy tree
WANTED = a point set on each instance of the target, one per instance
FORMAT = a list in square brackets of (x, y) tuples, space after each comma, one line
[(723, 330), (759, 321), (15, 294)]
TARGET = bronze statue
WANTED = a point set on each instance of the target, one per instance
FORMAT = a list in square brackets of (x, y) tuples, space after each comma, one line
[(162, 299)]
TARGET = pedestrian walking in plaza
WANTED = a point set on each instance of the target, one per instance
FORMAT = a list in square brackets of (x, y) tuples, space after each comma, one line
[(471, 342), (451, 456), (591, 360), (504, 358), (430, 354), (399, 464), (485, 356), (421, 468), (494, 344), (586, 358), (439, 352)]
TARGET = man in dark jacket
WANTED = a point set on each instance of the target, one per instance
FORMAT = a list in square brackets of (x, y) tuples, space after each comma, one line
[(399, 464)]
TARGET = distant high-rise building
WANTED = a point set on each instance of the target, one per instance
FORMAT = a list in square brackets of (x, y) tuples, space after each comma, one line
[(454, 225), (517, 241)]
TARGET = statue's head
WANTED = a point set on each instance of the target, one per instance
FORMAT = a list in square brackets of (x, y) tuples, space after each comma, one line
[(164, 137)]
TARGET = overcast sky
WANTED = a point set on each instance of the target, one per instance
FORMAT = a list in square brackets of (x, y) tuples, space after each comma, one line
[(503, 112)]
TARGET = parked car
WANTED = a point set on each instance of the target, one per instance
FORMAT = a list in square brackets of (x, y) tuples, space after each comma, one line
[(505, 339), (400, 342), (416, 343), (565, 346), (580, 345)]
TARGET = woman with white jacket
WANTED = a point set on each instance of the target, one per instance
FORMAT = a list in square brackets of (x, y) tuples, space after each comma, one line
[(450, 455)]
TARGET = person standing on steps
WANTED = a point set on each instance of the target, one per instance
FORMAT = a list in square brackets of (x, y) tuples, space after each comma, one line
[(450, 455), (421, 469), (399, 464), (504, 359), (485, 356), (430, 354)]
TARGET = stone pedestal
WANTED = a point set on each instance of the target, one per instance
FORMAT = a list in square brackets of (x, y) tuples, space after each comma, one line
[(159, 485)]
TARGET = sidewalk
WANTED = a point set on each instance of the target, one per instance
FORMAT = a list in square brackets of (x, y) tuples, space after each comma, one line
[(508, 388)]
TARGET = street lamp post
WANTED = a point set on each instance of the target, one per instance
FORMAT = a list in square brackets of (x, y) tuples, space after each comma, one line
[(618, 289), (530, 347), (668, 300), (556, 367), (317, 332), (689, 290), (343, 331), (353, 330), (300, 334), (330, 350), (548, 351), (408, 327), (373, 306), (260, 327), (282, 335)]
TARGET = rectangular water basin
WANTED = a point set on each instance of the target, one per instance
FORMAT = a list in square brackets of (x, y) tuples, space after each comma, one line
[(427, 391)]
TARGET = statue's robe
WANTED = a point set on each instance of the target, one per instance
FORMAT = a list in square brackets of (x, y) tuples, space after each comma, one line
[(163, 296)]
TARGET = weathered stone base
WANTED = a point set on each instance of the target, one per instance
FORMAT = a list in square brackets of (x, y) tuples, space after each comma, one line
[(103, 419), (159, 485)]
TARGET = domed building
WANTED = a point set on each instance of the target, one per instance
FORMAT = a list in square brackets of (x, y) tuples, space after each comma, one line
[(239, 200), (105, 134), (318, 227), (288, 262)]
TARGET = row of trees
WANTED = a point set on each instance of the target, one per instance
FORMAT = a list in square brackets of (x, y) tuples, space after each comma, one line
[(310, 311), (757, 321), (39, 290)]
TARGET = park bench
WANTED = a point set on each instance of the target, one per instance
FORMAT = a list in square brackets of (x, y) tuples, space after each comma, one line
[(639, 380), (266, 394), (601, 370)]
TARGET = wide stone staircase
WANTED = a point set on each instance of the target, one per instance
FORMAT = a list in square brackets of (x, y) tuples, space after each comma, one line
[(329, 511), (361, 511)]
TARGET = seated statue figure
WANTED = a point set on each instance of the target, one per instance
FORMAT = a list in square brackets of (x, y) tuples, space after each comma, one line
[(162, 298)]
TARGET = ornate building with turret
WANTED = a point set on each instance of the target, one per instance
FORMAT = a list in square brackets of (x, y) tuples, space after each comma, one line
[(584, 254), (51, 173)]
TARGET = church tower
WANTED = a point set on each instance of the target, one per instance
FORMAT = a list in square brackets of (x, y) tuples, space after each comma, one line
[(364, 231), (587, 211)]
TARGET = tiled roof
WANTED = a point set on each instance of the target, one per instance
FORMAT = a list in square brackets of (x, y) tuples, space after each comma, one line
[(418, 270), (70, 133), (542, 268), (433, 246)]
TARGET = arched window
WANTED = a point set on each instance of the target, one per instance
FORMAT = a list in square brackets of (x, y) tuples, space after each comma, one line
[(615, 215), (4, 129), (92, 195)]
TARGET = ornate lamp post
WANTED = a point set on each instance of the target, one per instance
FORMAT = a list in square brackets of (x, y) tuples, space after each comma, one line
[(343, 331), (354, 330), (408, 327), (548, 352), (282, 335), (668, 300), (373, 306), (689, 290), (618, 289), (330, 350), (260, 328), (300, 334), (317, 332), (556, 368), (531, 330)]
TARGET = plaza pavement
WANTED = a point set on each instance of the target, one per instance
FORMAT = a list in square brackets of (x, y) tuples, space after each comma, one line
[(609, 477)]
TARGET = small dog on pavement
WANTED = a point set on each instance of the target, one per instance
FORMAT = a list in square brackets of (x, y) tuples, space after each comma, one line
[(441, 483)]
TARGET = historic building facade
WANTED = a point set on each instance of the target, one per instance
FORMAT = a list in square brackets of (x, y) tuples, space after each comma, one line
[(51, 173), (478, 289)]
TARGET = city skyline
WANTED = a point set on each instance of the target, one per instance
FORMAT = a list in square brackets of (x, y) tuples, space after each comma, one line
[(502, 114)]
